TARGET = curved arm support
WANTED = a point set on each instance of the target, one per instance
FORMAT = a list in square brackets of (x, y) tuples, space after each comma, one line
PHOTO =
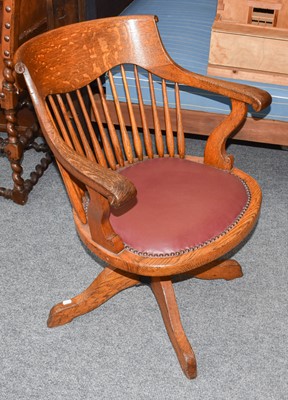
[(99, 224), (215, 149), (114, 187)]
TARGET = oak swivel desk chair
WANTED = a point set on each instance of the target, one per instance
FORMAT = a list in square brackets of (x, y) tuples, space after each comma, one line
[(144, 206)]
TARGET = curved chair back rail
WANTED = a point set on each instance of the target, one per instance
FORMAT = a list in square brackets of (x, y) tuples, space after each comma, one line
[(130, 40)]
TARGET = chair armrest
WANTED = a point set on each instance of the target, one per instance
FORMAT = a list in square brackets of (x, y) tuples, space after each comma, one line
[(257, 98), (240, 96), (113, 186)]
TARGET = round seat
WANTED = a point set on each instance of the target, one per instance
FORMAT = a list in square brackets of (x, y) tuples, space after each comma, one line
[(181, 205)]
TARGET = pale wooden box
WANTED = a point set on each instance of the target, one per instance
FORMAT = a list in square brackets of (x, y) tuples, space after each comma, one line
[(242, 49)]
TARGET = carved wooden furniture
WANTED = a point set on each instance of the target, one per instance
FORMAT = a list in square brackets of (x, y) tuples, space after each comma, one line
[(148, 209), (105, 8), (65, 12), (249, 40), (21, 20)]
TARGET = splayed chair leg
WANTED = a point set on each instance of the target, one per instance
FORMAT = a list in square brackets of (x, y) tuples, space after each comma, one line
[(108, 283), (165, 296), (220, 269)]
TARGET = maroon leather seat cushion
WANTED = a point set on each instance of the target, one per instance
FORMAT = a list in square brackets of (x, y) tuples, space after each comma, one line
[(180, 205)]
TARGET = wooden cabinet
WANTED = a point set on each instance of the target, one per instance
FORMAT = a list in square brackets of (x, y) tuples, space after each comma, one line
[(105, 8), (21, 20), (65, 12)]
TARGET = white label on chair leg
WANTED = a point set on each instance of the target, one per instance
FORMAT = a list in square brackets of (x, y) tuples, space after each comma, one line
[(65, 302)]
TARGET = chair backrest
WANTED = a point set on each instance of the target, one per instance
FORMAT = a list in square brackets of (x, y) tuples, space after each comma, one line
[(68, 64), (65, 63), (63, 70), (100, 45)]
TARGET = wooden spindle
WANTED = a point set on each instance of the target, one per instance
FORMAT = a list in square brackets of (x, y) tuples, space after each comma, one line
[(135, 133), (180, 132), (158, 133), (168, 125), (106, 143), (146, 132), (88, 151), (111, 128), (125, 137), (60, 123), (73, 135), (97, 149)]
